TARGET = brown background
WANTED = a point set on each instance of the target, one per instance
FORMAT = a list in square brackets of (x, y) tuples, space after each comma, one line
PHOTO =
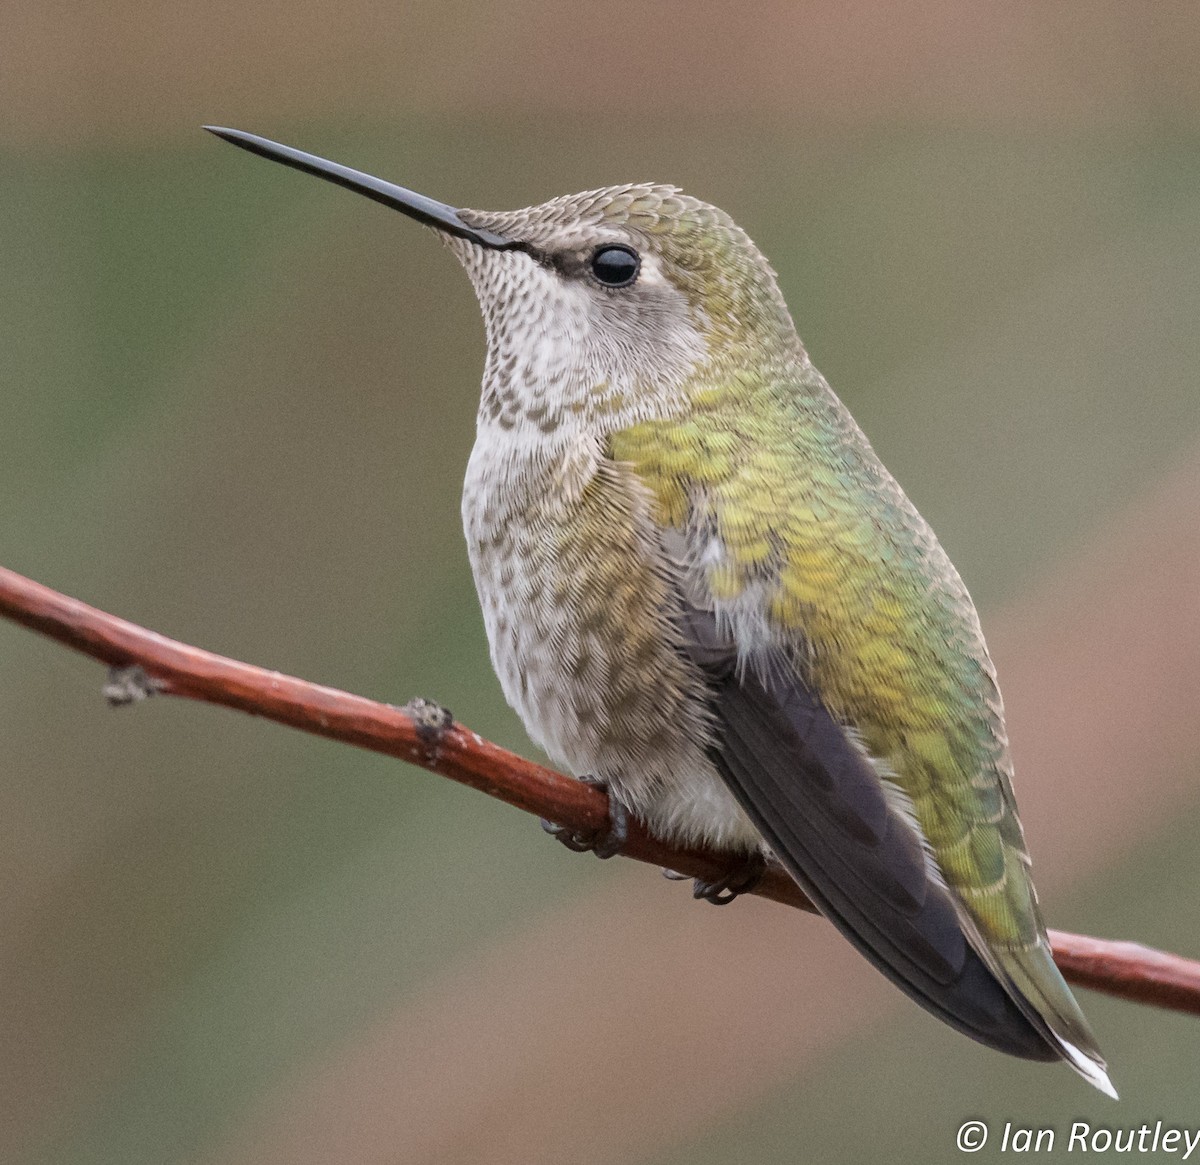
[(236, 406)]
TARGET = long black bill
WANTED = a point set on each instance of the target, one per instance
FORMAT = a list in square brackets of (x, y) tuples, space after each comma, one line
[(426, 210)]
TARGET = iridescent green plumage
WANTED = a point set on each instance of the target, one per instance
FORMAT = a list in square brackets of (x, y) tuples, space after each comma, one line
[(854, 578), (852, 572), (862, 598)]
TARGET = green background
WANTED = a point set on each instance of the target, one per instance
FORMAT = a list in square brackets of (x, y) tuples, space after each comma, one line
[(236, 406)]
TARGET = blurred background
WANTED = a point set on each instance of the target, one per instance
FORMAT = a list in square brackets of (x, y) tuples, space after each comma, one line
[(236, 405)]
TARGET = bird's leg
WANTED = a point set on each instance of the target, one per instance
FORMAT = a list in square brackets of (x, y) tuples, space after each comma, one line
[(736, 883), (604, 842)]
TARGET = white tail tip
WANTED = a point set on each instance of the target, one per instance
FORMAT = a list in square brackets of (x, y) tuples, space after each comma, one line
[(1092, 1072)]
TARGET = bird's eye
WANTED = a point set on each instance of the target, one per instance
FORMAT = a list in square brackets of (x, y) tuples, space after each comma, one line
[(615, 266)]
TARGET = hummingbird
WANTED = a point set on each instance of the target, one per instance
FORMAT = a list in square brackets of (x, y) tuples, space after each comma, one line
[(704, 591)]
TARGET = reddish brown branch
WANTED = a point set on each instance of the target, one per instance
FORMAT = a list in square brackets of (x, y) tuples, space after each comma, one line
[(417, 735)]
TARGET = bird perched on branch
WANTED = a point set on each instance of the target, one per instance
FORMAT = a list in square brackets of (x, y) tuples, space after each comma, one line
[(703, 590)]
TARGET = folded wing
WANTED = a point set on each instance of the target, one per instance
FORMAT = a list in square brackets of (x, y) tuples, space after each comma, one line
[(824, 808)]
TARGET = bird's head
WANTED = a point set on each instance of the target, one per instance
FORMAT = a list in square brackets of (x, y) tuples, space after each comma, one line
[(607, 303)]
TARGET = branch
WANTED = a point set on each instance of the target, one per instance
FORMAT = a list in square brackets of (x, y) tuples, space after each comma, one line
[(424, 734)]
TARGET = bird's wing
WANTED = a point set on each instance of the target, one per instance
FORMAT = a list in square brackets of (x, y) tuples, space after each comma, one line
[(856, 715), (821, 805)]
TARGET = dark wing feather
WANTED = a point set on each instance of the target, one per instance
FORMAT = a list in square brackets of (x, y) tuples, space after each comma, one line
[(822, 808)]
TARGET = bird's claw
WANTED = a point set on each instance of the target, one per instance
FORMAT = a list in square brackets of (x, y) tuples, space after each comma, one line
[(733, 885), (605, 842)]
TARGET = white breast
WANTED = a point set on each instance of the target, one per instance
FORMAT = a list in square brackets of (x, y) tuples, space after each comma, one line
[(576, 670)]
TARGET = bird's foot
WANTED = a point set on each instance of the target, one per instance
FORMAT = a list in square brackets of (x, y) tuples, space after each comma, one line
[(736, 883), (604, 842)]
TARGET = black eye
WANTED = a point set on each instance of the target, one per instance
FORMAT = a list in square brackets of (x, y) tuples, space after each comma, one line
[(615, 266)]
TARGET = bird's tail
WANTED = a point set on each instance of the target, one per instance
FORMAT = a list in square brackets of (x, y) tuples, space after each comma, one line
[(1039, 990)]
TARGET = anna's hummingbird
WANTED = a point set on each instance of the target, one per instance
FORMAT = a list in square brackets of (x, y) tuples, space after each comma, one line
[(703, 589)]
